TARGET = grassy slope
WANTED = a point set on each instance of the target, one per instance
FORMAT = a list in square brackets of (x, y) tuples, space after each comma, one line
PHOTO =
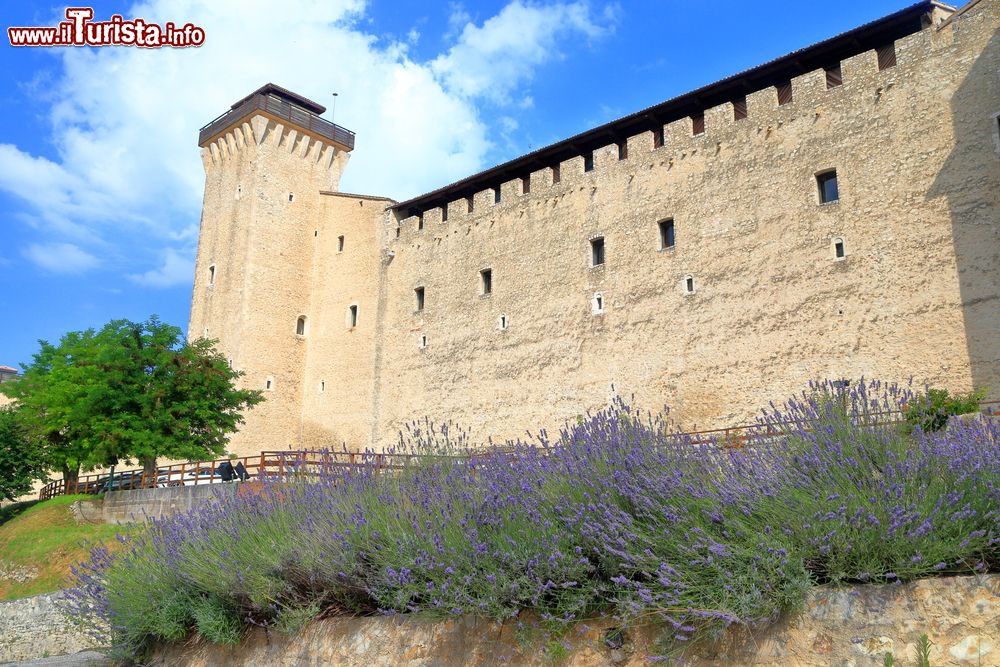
[(44, 535)]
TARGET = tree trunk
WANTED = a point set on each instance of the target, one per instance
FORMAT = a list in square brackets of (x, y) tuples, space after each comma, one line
[(71, 479), (149, 470)]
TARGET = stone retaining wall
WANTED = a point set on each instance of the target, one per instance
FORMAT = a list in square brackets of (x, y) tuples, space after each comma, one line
[(35, 627), (855, 627), (138, 505)]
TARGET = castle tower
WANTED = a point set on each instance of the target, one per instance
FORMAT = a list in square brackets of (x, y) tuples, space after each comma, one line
[(267, 160)]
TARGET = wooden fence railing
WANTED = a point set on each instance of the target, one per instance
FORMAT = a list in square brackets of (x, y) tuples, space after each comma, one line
[(278, 464)]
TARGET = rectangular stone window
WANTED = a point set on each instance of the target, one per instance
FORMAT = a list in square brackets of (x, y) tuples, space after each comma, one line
[(555, 174), (667, 237), (834, 76), (525, 185), (697, 124), (588, 162), (689, 284), (496, 195), (784, 93), (597, 304), (471, 204), (829, 192), (352, 316), (597, 251), (444, 213), (420, 222), (340, 244), (623, 150), (886, 56), (658, 138), (740, 108), (419, 294), (211, 275), (486, 282), (839, 251)]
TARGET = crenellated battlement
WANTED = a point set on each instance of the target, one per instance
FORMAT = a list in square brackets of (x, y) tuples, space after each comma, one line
[(763, 95), (813, 93)]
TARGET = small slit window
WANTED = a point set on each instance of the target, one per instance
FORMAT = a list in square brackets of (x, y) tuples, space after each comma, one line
[(211, 275), (352, 316), (419, 295), (444, 213), (470, 203), (322, 386), (291, 196), (667, 237), (886, 56), (588, 162), (486, 282), (300, 326), (525, 185), (340, 244), (622, 150), (829, 192), (496, 195), (555, 174), (658, 138), (597, 251), (502, 322), (740, 108), (698, 124), (834, 76), (397, 232), (784, 93), (422, 341), (420, 221), (839, 249), (689, 284), (269, 384), (597, 304)]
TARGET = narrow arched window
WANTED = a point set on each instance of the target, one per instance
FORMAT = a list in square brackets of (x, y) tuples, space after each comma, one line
[(300, 326)]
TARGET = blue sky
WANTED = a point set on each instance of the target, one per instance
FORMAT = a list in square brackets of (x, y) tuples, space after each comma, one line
[(100, 174)]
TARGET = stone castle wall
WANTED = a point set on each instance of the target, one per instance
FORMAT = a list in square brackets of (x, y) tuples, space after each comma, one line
[(917, 156)]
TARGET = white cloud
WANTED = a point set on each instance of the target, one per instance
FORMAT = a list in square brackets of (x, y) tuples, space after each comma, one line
[(127, 178), (498, 57), (60, 257), (176, 269)]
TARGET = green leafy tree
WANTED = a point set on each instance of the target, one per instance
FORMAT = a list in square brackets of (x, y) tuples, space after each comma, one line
[(53, 397), (129, 391), (163, 397), (21, 460)]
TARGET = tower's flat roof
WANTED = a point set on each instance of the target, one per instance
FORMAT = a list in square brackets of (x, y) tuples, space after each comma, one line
[(285, 94), (826, 53)]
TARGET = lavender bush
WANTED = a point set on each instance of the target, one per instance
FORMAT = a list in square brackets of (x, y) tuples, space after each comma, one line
[(616, 514)]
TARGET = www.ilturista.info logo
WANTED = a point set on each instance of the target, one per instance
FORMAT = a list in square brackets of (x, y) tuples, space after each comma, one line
[(81, 30)]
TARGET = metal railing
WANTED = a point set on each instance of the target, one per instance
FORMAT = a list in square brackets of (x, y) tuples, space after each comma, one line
[(281, 109), (286, 464)]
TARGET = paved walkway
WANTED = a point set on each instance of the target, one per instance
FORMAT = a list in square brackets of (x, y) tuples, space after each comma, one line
[(81, 659)]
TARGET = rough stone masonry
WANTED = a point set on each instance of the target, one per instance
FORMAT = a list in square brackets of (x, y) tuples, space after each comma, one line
[(831, 214)]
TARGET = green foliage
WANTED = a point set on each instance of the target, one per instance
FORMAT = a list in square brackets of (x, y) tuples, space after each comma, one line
[(21, 460), (129, 391), (932, 412), (217, 623), (44, 536), (889, 661), (924, 651)]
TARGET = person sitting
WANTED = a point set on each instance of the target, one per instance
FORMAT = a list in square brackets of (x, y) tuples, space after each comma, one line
[(226, 471)]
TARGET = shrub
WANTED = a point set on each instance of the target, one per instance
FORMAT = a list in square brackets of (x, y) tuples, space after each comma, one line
[(931, 412), (617, 515)]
